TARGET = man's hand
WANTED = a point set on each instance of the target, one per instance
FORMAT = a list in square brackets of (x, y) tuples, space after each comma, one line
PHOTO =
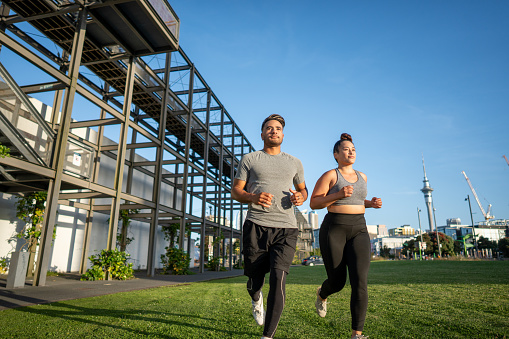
[(264, 199), (296, 198)]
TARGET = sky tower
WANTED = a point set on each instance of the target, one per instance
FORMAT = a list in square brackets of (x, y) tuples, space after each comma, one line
[(427, 197)]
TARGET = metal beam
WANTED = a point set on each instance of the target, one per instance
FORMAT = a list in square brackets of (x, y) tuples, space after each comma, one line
[(189, 121), (59, 154), (119, 171), (156, 195)]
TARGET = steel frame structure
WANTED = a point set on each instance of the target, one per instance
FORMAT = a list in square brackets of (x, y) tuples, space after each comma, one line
[(196, 141)]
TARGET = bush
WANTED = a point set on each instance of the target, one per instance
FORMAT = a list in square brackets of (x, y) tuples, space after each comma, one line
[(503, 246), (3, 265), (112, 261), (175, 261), (4, 151), (214, 264)]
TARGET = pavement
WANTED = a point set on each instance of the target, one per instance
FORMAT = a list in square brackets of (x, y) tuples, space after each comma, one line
[(68, 286)]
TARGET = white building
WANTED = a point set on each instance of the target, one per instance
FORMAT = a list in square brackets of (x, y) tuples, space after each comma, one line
[(395, 244), (70, 227), (377, 231), (312, 218)]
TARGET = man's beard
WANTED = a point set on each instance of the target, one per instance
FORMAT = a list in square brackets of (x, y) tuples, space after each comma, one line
[(273, 143)]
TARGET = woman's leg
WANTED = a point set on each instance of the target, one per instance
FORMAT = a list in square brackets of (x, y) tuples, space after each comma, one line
[(332, 243), (358, 256)]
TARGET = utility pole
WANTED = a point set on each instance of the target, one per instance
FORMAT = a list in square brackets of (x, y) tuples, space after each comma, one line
[(420, 232), (472, 219), (436, 229)]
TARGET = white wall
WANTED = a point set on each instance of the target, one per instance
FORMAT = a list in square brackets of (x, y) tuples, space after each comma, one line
[(70, 228)]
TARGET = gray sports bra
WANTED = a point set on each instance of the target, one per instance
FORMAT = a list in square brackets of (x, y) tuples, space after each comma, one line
[(360, 190)]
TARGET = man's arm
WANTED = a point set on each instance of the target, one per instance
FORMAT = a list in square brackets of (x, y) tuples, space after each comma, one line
[(238, 193)]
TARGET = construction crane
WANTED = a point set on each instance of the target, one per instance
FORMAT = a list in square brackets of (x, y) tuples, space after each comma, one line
[(487, 215), (506, 160)]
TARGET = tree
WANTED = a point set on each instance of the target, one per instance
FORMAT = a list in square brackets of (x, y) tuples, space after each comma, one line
[(446, 244), (408, 247), (458, 246), (122, 238), (483, 242), (30, 209), (170, 232), (426, 240), (385, 252), (503, 246)]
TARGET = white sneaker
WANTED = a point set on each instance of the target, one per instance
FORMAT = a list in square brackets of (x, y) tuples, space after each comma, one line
[(321, 305), (258, 313)]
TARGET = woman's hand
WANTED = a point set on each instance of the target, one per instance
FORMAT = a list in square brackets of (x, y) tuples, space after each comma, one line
[(375, 202), (345, 192)]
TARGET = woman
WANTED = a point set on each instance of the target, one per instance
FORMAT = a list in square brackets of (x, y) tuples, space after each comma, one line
[(344, 238)]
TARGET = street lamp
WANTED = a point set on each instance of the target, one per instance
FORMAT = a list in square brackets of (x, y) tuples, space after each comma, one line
[(420, 232), (472, 219), (436, 229)]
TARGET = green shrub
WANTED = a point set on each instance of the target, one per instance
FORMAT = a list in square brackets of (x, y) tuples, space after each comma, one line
[(112, 261), (3, 265), (175, 261), (215, 264), (4, 151)]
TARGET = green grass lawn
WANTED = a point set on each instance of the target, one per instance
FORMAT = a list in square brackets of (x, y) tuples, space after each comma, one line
[(407, 299)]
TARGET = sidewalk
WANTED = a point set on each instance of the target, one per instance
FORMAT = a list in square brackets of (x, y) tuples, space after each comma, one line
[(68, 286)]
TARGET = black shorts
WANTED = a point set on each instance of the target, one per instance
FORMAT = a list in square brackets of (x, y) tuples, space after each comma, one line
[(267, 247)]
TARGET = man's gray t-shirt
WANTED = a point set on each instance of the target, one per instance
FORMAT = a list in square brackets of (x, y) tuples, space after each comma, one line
[(274, 174)]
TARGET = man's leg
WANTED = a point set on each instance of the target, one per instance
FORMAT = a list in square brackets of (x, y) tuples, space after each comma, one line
[(282, 251), (275, 301), (254, 288)]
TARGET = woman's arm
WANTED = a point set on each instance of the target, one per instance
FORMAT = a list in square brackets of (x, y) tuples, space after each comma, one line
[(320, 199), (373, 203)]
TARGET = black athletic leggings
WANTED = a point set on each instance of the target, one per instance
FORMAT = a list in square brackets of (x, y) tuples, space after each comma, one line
[(344, 243), (275, 299)]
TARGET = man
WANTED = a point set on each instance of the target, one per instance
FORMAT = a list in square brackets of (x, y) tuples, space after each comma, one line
[(264, 180)]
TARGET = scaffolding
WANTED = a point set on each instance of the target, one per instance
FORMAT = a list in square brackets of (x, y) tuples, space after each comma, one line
[(124, 58)]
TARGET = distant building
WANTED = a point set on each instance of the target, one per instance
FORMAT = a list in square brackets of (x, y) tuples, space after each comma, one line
[(316, 240), (312, 218), (494, 230), (377, 231), (394, 243), (404, 230), (305, 240)]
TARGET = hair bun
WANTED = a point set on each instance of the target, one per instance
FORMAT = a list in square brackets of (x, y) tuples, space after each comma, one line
[(346, 136)]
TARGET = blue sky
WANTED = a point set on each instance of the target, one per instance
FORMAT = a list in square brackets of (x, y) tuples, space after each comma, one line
[(404, 78)]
